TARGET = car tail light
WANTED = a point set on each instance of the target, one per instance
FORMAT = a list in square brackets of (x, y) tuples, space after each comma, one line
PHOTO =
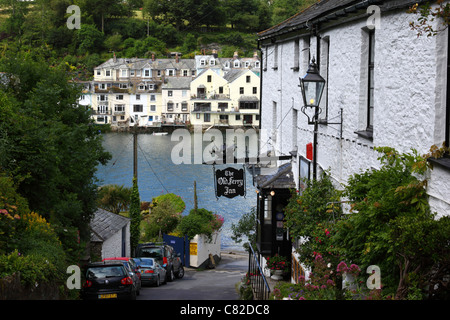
[(165, 260), (87, 284), (126, 281), (149, 271)]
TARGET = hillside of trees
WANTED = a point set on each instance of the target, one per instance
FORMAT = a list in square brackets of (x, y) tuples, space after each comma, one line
[(136, 28)]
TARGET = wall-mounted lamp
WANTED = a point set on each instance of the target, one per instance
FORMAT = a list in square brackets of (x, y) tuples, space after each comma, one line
[(312, 85)]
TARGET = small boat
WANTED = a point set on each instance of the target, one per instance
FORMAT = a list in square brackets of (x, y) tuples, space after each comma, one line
[(160, 133)]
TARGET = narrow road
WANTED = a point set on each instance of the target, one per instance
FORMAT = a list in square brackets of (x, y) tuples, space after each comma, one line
[(210, 284)]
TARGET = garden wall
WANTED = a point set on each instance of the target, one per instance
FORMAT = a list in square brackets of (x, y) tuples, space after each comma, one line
[(12, 289), (201, 248)]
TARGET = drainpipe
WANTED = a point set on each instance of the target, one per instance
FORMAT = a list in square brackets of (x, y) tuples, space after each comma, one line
[(261, 64)]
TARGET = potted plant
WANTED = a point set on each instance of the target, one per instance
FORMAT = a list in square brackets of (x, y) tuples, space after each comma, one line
[(277, 266)]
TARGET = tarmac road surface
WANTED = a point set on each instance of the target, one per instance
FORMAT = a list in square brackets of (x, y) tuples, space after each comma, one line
[(208, 284)]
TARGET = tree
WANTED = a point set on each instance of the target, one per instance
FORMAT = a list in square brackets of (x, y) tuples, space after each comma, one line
[(200, 221), (245, 229), (18, 11), (135, 216), (50, 148), (102, 10), (114, 198), (242, 14), (163, 219), (89, 39)]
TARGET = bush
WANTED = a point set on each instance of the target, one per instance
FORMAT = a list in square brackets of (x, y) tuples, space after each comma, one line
[(163, 218), (33, 268), (200, 221), (176, 201)]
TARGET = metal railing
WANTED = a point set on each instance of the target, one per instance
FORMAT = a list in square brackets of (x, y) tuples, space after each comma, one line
[(261, 289)]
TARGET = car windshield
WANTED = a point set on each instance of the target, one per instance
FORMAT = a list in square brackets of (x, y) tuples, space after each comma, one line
[(146, 262), (153, 252), (105, 272)]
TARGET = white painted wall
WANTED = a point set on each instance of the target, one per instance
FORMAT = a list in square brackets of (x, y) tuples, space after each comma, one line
[(112, 247), (409, 99), (205, 248)]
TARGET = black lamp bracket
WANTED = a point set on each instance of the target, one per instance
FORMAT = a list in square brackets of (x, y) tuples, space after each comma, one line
[(312, 118)]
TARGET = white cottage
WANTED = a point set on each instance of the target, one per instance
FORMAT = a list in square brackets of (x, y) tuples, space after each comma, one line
[(110, 235), (385, 86)]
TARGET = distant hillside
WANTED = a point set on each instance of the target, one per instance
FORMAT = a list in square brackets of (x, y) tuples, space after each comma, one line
[(137, 28)]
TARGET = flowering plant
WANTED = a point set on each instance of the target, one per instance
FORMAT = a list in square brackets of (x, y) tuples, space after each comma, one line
[(277, 263), (217, 222)]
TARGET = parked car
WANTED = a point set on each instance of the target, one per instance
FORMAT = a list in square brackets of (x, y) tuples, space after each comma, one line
[(165, 255), (151, 271), (108, 280), (130, 264)]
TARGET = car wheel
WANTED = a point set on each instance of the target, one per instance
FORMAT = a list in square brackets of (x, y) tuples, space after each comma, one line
[(180, 273), (170, 275), (158, 282)]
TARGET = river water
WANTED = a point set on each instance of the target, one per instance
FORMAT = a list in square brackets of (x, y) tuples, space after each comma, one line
[(157, 174)]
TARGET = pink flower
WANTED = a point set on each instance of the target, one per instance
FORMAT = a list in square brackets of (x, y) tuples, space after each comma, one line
[(342, 267)]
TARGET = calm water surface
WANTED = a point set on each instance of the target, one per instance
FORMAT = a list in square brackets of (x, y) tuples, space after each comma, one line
[(157, 174)]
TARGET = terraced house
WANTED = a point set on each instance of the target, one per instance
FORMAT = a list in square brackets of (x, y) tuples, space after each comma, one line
[(206, 91), (383, 86)]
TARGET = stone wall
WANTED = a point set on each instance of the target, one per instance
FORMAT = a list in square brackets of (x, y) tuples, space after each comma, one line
[(12, 289)]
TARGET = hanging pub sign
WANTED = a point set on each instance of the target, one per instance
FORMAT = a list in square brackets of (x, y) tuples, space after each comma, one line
[(229, 182)]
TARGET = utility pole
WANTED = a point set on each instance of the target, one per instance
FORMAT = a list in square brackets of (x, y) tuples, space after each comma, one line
[(135, 161)]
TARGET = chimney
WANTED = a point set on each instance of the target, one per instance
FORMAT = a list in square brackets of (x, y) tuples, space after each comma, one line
[(214, 53), (255, 55), (153, 57), (114, 57), (177, 58), (236, 55)]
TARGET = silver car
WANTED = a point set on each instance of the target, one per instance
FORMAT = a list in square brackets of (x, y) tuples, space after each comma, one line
[(151, 271)]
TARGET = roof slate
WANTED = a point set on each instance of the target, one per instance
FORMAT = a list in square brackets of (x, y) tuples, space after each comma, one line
[(283, 178), (105, 224), (323, 8)]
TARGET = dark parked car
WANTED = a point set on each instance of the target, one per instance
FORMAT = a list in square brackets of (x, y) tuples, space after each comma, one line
[(151, 271), (165, 255), (131, 266), (108, 280)]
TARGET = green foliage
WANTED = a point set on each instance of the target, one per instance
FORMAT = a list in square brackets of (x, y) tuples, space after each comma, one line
[(50, 148), (114, 198), (245, 229), (176, 201), (27, 240), (390, 225), (135, 215), (89, 39), (244, 287), (164, 217), (311, 217), (428, 15), (12, 208), (33, 269), (200, 221), (277, 262)]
